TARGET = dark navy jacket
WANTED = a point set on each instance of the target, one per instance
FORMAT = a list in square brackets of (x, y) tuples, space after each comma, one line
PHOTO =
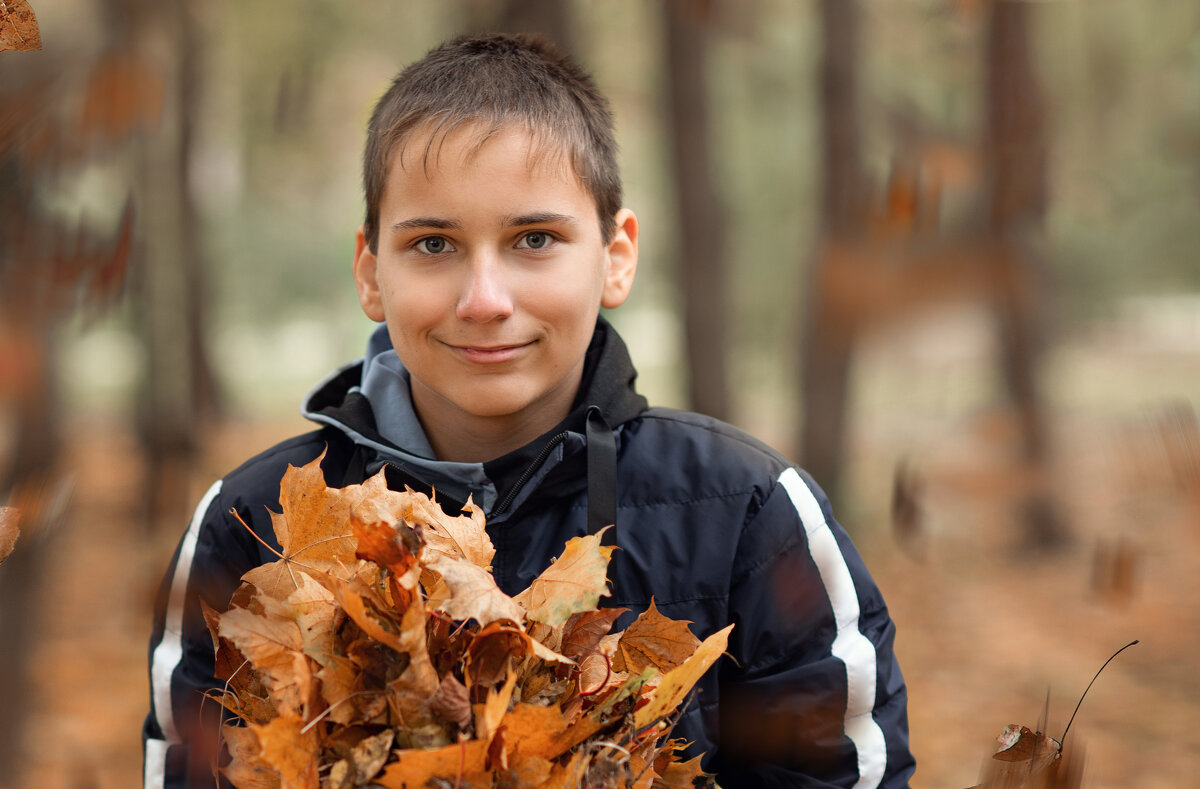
[(713, 525)]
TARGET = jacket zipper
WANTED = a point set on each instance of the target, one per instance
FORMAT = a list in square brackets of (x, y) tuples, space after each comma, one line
[(529, 471)]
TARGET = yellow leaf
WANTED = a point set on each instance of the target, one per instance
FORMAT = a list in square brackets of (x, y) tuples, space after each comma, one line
[(676, 684), (574, 582)]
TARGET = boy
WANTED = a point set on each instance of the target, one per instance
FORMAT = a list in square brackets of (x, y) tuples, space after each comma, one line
[(494, 233)]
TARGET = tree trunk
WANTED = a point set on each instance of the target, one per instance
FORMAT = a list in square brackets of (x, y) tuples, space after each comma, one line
[(828, 340), (701, 266), (179, 390), (1016, 149)]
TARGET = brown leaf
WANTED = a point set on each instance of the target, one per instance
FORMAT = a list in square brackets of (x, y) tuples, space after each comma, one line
[(494, 648), (451, 703), (474, 594), (234, 669), (1024, 760), (370, 755), (676, 683), (654, 640), (583, 631), (574, 582), (18, 27)]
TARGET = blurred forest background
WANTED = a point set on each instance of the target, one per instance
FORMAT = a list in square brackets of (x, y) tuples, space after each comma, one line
[(942, 252)]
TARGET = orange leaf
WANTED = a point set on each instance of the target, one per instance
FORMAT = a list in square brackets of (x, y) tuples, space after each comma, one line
[(292, 752), (18, 27), (574, 582), (654, 640), (414, 768), (533, 730), (681, 775)]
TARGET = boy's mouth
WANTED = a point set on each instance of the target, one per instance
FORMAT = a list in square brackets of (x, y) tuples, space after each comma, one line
[(490, 354)]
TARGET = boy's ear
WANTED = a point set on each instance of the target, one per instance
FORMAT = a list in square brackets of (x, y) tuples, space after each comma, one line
[(622, 260), (366, 279)]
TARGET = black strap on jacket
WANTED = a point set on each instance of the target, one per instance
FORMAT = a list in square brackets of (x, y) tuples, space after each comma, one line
[(601, 476)]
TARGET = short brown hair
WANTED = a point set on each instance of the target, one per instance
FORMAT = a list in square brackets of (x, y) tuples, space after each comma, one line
[(497, 80)]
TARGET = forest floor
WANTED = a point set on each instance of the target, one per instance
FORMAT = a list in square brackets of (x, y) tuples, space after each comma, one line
[(988, 629)]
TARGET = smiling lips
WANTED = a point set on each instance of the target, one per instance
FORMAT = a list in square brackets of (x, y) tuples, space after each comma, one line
[(489, 354)]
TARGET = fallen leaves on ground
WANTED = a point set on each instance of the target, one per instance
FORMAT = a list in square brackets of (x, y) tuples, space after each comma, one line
[(379, 650)]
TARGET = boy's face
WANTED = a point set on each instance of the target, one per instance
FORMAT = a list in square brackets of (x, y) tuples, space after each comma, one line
[(490, 272)]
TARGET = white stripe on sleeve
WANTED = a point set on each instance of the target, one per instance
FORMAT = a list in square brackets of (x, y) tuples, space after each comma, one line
[(849, 645), (169, 651)]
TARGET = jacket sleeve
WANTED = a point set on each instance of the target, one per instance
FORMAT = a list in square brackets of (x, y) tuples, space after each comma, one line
[(180, 735), (814, 695)]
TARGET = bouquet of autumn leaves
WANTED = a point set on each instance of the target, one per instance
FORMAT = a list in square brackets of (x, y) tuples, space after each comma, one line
[(378, 651)]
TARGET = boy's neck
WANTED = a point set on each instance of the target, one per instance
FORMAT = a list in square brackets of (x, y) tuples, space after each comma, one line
[(458, 436)]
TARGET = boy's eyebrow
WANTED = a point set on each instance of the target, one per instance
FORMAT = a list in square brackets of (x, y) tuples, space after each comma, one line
[(421, 222), (538, 218)]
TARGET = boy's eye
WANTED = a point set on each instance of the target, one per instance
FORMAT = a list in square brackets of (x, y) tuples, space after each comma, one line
[(433, 245), (534, 240)]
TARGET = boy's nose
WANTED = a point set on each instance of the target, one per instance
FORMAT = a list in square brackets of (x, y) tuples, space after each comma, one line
[(485, 295)]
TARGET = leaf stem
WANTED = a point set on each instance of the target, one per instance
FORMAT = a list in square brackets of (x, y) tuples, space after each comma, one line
[(1085, 691)]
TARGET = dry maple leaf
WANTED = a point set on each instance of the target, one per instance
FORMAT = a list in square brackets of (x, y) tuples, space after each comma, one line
[(654, 640), (10, 517), (473, 593), (464, 537), (575, 581), (582, 633), (18, 26)]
